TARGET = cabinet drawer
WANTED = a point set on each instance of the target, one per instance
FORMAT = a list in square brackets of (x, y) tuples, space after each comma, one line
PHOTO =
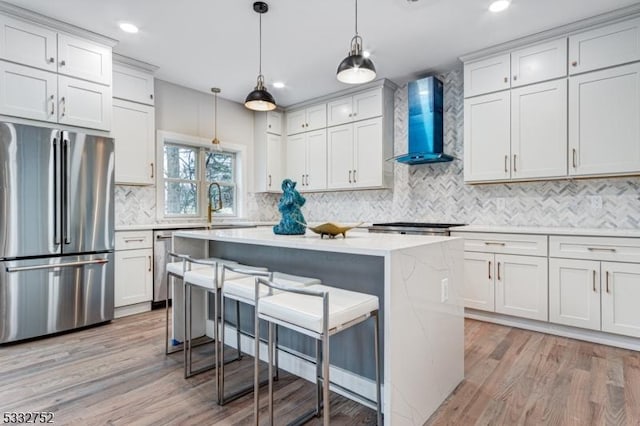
[(130, 240), (529, 245), (595, 248)]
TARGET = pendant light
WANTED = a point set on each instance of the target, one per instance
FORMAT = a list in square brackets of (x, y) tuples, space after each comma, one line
[(355, 68), (215, 141), (259, 99)]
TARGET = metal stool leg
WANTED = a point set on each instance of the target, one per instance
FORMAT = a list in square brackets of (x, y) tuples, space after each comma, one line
[(271, 347), (256, 369), (376, 348), (239, 349), (186, 344), (325, 379), (318, 378)]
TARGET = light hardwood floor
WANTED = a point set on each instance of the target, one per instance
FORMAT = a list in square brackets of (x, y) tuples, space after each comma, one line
[(118, 374)]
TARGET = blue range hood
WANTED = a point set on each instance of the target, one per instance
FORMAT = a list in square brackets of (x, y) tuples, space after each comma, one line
[(425, 123)]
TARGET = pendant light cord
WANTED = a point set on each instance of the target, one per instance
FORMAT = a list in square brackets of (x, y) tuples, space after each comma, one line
[(215, 123), (356, 17), (260, 60)]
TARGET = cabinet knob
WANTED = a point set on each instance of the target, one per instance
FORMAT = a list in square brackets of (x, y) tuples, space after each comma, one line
[(51, 60), (574, 63), (63, 63), (302, 126), (350, 115), (269, 126), (355, 113), (506, 79), (515, 77), (150, 96)]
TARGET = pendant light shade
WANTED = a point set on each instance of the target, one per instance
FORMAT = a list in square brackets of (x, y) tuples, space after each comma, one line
[(355, 68), (260, 99)]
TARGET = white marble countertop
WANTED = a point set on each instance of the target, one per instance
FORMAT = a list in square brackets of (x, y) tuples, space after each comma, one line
[(186, 225), (356, 242), (547, 230)]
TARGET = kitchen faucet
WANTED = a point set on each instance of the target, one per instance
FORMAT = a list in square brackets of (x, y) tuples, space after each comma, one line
[(210, 208)]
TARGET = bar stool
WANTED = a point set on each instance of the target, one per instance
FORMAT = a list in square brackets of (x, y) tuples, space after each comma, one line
[(208, 279), (176, 270), (242, 290), (317, 311)]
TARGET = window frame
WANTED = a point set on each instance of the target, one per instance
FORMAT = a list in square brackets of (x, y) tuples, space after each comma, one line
[(202, 145)]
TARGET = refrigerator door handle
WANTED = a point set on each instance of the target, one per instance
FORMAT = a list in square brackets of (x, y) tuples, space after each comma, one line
[(56, 207), (57, 265), (67, 189)]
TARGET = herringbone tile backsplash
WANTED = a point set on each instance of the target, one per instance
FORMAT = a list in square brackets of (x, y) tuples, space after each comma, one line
[(437, 192)]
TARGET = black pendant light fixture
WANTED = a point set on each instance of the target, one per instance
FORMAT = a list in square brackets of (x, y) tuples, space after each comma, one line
[(356, 68), (259, 99)]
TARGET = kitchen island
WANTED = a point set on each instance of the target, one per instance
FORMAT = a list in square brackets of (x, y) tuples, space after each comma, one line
[(418, 280)]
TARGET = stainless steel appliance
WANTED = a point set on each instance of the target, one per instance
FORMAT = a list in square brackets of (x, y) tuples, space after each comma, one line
[(56, 230), (414, 228)]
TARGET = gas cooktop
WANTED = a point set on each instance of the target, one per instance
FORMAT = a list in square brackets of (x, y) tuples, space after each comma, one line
[(420, 228)]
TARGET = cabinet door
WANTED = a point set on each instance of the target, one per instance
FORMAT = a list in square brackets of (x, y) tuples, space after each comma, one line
[(479, 275), (487, 145), (296, 121), (603, 47), (604, 121), (84, 59), (275, 168), (28, 44), (620, 297), (522, 286), (539, 130), (132, 85), (84, 104), (538, 63), (367, 105), (297, 160), (133, 277), (367, 152), (340, 111), (316, 117), (316, 160), (574, 293), (487, 75), (274, 122), (134, 134), (340, 157), (28, 93)]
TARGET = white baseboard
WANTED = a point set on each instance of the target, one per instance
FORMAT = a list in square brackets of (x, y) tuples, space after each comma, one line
[(138, 308), (306, 369), (592, 336)]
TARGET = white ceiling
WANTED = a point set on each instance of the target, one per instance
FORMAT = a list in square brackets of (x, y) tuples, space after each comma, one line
[(205, 43)]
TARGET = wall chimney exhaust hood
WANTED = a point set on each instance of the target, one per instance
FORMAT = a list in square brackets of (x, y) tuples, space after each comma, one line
[(425, 123)]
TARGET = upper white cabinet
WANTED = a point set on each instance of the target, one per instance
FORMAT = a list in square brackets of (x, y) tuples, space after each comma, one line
[(269, 151), (28, 92), (545, 61), (132, 84), (307, 160), (487, 75), (84, 104), (84, 59), (361, 106), (606, 46), (308, 119), (604, 122), (28, 44), (134, 133), (487, 150)]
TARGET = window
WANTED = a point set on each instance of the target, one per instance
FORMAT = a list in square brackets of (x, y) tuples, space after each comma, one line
[(190, 168)]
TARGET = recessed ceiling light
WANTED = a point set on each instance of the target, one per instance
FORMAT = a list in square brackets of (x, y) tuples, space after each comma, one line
[(278, 85), (366, 53), (499, 5), (128, 28)]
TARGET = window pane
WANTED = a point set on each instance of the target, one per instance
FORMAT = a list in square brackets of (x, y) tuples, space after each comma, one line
[(180, 198), (228, 199), (179, 162), (219, 166)]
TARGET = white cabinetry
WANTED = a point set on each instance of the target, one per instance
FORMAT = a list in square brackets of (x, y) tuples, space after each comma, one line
[(308, 119), (83, 103), (593, 285), (134, 135), (604, 122), (355, 155), (83, 59), (28, 44), (361, 106), (500, 275), (307, 160), (269, 151), (540, 62), (487, 75), (133, 270), (28, 92), (133, 85), (605, 46)]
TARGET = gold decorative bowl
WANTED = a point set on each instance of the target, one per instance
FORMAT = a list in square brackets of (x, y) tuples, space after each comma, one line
[(331, 229)]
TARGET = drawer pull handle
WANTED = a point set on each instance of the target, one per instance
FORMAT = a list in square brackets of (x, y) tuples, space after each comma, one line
[(130, 240), (499, 271), (506, 158), (594, 281), (573, 157), (489, 269), (608, 249), (606, 274), (494, 243)]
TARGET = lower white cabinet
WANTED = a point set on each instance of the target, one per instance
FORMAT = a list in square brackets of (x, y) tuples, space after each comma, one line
[(620, 284), (574, 292), (521, 286), (479, 287), (134, 134), (133, 268)]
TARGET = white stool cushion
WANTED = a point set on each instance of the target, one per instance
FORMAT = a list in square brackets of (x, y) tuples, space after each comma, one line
[(244, 289), (203, 277), (306, 311), (176, 267)]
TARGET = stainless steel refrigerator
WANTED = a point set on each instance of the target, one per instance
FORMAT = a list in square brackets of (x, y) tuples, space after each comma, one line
[(56, 230)]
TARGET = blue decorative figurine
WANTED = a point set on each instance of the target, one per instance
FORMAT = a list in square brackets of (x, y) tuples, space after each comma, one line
[(292, 222)]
